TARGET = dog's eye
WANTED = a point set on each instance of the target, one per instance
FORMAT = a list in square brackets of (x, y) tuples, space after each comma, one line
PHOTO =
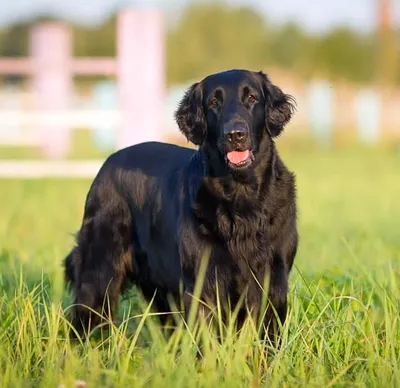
[(214, 102), (252, 98)]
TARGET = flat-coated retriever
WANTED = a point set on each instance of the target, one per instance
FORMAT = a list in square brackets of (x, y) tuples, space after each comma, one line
[(154, 209)]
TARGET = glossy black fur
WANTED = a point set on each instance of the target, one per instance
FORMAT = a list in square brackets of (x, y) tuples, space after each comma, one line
[(154, 209)]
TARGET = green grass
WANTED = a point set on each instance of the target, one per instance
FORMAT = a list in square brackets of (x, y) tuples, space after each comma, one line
[(343, 328), (82, 147)]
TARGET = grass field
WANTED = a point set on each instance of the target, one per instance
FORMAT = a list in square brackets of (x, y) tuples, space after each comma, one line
[(343, 328)]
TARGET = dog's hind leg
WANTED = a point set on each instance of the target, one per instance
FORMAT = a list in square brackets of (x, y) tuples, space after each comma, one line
[(101, 263)]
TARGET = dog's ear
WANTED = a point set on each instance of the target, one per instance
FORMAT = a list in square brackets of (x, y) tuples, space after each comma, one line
[(190, 115), (279, 107)]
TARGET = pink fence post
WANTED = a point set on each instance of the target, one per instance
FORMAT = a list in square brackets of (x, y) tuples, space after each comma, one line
[(51, 53), (140, 75)]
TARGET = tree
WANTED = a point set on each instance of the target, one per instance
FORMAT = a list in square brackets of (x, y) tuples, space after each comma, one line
[(291, 48), (99, 41), (344, 54), (213, 36)]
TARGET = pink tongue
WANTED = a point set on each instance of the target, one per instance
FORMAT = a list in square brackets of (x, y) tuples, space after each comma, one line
[(237, 157)]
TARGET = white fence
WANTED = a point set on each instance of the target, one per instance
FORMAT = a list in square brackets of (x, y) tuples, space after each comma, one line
[(34, 169), (21, 126), (322, 110)]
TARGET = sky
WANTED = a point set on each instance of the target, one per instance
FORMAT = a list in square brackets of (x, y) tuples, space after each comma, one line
[(314, 15)]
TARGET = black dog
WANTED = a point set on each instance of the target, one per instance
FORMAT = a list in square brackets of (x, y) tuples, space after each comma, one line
[(154, 209)]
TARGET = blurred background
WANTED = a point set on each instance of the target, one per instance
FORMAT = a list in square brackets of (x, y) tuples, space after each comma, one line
[(81, 79)]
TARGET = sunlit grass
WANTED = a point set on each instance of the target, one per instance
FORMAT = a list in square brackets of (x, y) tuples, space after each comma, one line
[(343, 326)]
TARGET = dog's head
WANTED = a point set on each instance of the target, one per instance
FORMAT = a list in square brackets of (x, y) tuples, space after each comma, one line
[(232, 113)]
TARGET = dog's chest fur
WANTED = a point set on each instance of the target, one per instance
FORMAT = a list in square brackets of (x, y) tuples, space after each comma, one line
[(236, 225)]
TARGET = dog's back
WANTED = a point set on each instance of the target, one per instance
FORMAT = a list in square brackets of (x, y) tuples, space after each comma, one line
[(129, 221), (153, 159)]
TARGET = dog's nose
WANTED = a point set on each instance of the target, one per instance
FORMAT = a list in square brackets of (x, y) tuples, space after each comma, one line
[(236, 136)]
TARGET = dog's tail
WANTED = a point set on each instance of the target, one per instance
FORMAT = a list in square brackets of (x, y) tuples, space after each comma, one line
[(69, 267)]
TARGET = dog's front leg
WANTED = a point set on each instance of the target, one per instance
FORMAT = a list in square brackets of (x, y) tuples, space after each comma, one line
[(276, 307)]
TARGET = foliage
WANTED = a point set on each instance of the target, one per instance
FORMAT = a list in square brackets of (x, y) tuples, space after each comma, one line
[(209, 36)]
